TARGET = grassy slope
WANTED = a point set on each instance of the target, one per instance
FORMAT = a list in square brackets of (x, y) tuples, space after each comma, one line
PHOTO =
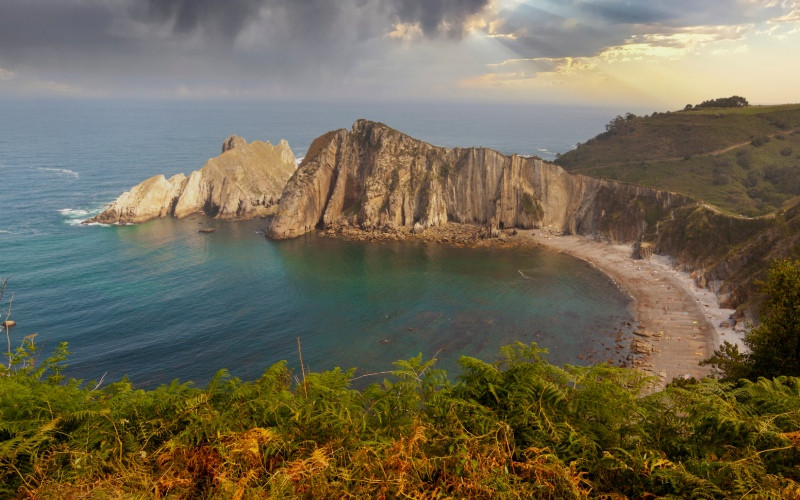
[(708, 154)]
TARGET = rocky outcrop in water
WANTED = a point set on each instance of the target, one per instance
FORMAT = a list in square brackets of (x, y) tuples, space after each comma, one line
[(245, 181), (376, 178)]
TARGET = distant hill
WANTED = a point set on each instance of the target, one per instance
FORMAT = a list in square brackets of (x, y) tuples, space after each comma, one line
[(744, 159)]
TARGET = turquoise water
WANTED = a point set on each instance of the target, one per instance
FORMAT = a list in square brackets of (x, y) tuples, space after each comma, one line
[(160, 300)]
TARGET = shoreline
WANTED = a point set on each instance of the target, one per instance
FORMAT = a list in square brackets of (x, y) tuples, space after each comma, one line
[(679, 324)]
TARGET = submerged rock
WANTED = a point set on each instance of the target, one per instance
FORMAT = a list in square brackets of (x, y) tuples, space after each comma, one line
[(243, 182)]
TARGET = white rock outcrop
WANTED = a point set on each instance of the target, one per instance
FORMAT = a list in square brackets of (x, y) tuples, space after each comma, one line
[(245, 181)]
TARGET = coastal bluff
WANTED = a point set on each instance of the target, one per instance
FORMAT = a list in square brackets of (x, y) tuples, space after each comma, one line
[(244, 181), (378, 179)]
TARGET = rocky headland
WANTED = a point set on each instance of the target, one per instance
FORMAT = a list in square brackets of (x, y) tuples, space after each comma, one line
[(375, 178), (243, 182)]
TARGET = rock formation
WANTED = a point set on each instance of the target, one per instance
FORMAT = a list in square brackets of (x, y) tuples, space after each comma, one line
[(375, 178), (245, 181)]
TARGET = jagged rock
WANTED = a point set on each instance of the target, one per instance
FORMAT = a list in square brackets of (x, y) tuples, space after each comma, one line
[(384, 178), (642, 250), (243, 182), (639, 346)]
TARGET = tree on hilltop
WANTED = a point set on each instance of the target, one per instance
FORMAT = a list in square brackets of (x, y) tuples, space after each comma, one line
[(620, 125), (721, 102)]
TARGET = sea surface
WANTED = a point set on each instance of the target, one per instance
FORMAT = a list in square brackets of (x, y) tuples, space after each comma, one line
[(160, 300)]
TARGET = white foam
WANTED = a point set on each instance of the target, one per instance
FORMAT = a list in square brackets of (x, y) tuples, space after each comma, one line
[(64, 171), (299, 160), (3, 231), (76, 216), (70, 212)]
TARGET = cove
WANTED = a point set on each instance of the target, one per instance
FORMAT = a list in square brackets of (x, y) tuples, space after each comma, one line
[(166, 302)]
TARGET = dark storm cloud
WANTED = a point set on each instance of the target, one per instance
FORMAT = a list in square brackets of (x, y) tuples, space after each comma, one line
[(95, 26), (436, 18), (57, 26), (225, 17), (266, 40)]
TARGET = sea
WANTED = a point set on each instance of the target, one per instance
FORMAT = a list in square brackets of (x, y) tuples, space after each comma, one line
[(160, 301)]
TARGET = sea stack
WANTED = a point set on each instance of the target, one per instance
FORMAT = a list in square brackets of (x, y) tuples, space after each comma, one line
[(243, 182)]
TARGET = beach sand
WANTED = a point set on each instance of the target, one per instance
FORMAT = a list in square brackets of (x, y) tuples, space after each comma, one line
[(679, 324)]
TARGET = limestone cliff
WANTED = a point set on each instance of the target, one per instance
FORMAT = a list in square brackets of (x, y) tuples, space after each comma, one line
[(375, 177), (243, 182)]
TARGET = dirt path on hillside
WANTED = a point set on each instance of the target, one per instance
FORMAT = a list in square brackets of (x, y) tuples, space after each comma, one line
[(679, 158)]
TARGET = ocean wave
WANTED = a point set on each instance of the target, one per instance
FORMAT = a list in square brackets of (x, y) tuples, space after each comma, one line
[(64, 171), (299, 160), (76, 216), (70, 212), (3, 231)]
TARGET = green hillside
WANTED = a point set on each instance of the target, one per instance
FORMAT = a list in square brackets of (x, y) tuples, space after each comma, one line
[(745, 160)]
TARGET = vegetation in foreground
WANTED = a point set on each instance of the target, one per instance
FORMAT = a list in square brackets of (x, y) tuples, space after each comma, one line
[(517, 428), (743, 159), (774, 345)]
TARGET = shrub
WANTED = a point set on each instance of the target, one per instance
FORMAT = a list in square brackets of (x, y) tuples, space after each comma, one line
[(775, 344), (444, 170), (720, 179), (531, 206), (744, 158)]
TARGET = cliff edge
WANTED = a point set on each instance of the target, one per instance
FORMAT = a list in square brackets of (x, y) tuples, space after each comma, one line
[(377, 178), (243, 182)]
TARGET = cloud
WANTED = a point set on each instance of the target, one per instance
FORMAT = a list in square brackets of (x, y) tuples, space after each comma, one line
[(310, 18), (358, 48), (791, 17), (438, 18), (594, 58), (283, 45), (51, 87)]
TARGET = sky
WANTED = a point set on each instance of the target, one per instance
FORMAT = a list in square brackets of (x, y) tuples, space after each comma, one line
[(665, 53)]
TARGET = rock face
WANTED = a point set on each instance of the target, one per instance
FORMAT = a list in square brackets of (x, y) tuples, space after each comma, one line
[(375, 177), (245, 181)]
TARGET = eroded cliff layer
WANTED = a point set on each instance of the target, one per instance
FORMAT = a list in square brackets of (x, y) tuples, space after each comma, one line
[(245, 181), (375, 177)]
